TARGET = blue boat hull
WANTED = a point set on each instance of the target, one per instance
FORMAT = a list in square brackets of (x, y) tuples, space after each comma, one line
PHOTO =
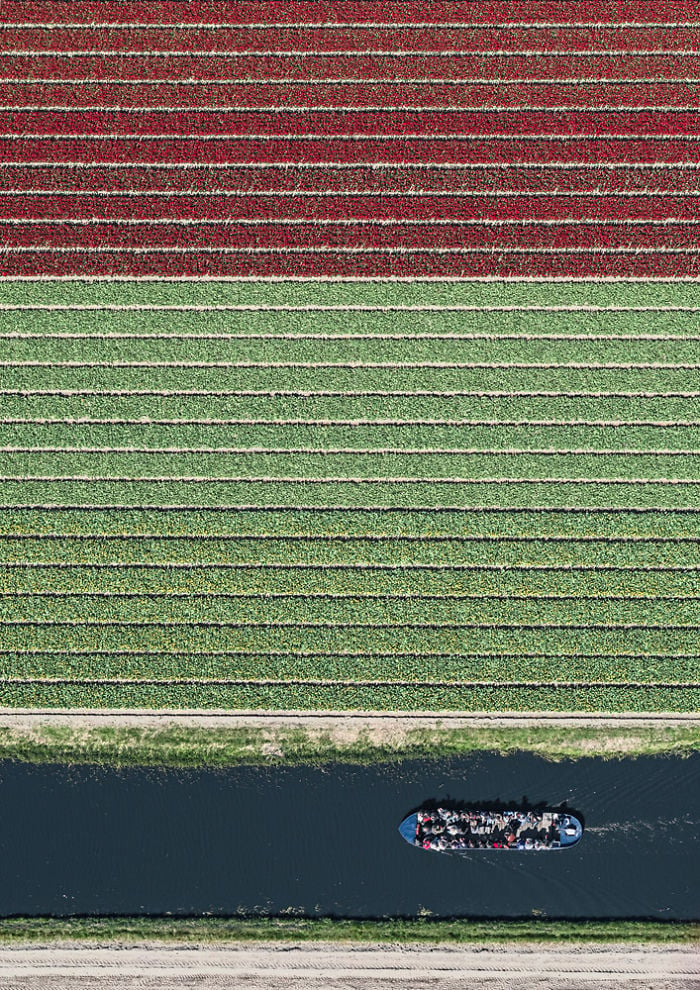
[(564, 831), (409, 827)]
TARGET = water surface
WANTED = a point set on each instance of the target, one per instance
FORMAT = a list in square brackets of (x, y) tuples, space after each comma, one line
[(325, 840)]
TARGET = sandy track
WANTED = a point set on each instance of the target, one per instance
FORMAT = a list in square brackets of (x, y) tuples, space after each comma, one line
[(343, 728), (353, 722), (196, 716), (342, 967)]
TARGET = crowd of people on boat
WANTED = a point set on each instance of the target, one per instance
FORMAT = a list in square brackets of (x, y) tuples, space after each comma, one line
[(445, 829)]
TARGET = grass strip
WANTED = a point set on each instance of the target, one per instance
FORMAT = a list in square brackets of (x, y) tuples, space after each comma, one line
[(301, 929), (269, 743)]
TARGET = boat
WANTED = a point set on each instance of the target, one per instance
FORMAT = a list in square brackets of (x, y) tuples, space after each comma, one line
[(456, 830)]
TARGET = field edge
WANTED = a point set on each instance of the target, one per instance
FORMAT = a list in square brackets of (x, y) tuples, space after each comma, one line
[(256, 739)]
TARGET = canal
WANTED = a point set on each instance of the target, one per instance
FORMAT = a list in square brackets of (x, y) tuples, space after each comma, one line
[(83, 840)]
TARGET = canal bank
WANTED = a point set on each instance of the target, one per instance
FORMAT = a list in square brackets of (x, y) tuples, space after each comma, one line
[(220, 739), (207, 930)]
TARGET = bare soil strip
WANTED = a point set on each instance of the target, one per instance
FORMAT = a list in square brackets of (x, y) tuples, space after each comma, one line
[(341, 726), (296, 965)]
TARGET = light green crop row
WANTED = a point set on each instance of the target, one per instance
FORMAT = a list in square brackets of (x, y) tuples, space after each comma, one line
[(355, 465), (367, 639), (367, 292), (508, 662), (88, 607), (210, 579), (350, 378), (493, 522), (505, 406), (580, 491), (354, 697), (677, 351), (319, 550), (356, 323), (353, 437)]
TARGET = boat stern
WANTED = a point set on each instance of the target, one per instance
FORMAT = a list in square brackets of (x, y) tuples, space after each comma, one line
[(570, 830)]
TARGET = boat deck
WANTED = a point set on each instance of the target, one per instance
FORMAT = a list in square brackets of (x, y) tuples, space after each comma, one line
[(445, 830)]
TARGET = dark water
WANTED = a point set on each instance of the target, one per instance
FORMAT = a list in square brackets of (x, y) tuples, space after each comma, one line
[(80, 841)]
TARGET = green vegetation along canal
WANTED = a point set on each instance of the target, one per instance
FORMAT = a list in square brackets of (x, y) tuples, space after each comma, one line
[(324, 840)]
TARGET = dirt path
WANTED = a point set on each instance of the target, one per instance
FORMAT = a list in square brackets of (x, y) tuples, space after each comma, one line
[(326, 966), (344, 728)]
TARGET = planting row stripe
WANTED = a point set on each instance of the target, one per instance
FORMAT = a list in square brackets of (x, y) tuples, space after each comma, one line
[(323, 68), (262, 566), (29, 195), (338, 683), (378, 509), (340, 52), (340, 25), (349, 308), (358, 12), (356, 165), (422, 203), (419, 150), (93, 25), (337, 521), (91, 110), (363, 393), (147, 421), (347, 222), (491, 266), (530, 337), (379, 451), (268, 479), (300, 137), (393, 365), (527, 699), (494, 250), (346, 595), (222, 624), (350, 537), (395, 81)]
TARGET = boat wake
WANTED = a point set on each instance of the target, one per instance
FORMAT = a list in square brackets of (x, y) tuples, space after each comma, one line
[(672, 829)]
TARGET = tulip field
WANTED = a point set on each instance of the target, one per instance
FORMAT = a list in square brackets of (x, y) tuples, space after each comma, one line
[(298, 494)]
